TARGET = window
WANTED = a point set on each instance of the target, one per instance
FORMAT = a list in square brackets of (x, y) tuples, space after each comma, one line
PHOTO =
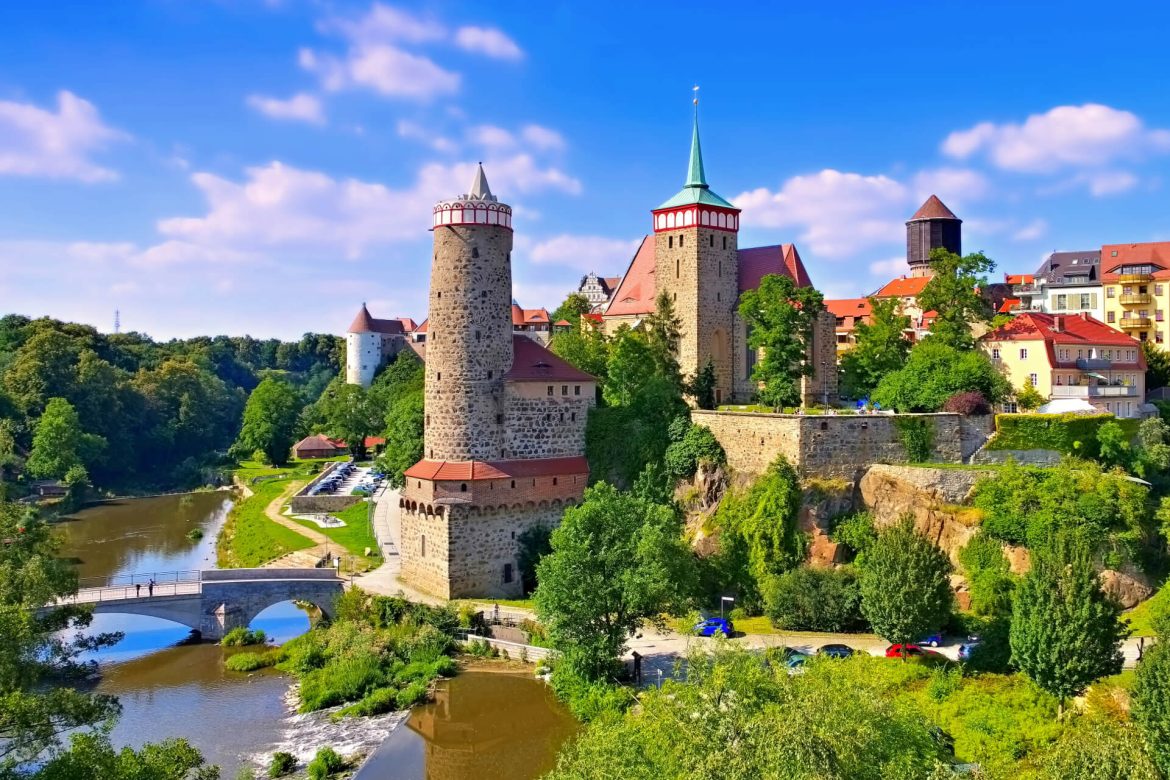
[(422, 545), (1086, 301), (680, 240), (475, 251), (725, 242), (574, 417), (720, 269), (712, 237), (1023, 353), (507, 573), (554, 480), (995, 353), (676, 268), (513, 484), (439, 376), (1110, 292), (462, 487), (718, 297), (477, 335), (550, 389), (564, 389), (499, 419), (1035, 379), (1157, 289), (670, 242), (576, 389), (427, 421), (491, 374), (1113, 253), (1062, 301), (1110, 316), (439, 294)]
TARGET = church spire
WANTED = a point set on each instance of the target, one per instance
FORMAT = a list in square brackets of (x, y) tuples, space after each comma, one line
[(696, 176), (479, 186)]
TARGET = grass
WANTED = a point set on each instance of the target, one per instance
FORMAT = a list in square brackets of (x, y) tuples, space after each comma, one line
[(514, 603), (249, 538), (1141, 617), (248, 470), (355, 536)]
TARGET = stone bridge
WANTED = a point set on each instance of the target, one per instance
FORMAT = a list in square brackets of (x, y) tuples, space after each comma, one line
[(215, 601)]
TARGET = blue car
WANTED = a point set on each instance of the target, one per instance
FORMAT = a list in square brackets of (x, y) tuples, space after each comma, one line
[(713, 626), (931, 640)]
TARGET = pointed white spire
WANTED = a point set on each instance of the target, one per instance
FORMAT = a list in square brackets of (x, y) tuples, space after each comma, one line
[(479, 186)]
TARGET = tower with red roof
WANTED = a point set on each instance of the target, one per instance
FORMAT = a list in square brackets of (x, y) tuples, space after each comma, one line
[(504, 418)]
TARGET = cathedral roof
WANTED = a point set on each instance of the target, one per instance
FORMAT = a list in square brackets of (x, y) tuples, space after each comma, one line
[(696, 190), (934, 208), (364, 323), (757, 262), (532, 362)]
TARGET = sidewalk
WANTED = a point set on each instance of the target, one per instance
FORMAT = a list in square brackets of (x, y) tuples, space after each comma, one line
[(384, 580)]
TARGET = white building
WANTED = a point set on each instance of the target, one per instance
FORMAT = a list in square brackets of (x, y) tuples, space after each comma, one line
[(370, 342)]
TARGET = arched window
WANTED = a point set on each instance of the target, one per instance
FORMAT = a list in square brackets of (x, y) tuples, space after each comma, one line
[(463, 487), (670, 220)]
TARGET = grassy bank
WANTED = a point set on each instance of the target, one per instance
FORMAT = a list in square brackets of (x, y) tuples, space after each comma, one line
[(248, 470), (355, 536), (1141, 617), (249, 538)]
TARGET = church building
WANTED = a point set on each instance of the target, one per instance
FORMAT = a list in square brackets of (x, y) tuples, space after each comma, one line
[(693, 255)]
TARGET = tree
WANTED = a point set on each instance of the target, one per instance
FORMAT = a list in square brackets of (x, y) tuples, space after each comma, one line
[(1095, 747), (811, 599), (905, 584), (572, 309), (954, 291), (404, 436), (1113, 447), (1157, 365), (933, 373), (534, 542), (347, 413), (881, 348), (585, 347), (92, 757), (616, 561), (662, 330), (702, 386), (1065, 632), (780, 317), (631, 368), (59, 444), (1028, 397), (271, 420), (45, 366), (1151, 697)]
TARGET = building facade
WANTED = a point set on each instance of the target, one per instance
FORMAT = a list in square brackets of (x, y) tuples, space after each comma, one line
[(598, 289), (504, 429), (693, 256), (1071, 357), (1065, 283), (370, 343), (1136, 279)]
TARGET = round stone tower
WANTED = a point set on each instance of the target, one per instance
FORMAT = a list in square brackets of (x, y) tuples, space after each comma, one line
[(469, 335)]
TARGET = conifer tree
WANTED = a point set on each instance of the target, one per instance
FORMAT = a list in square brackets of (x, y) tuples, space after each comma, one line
[(1065, 631), (702, 386)]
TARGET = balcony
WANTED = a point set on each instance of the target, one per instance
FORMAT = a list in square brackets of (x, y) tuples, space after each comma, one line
[(1025, 289), (1019, 307), (1094, 364), (1135, 278), (1134, 323), (1094, 391), (1133, 299)]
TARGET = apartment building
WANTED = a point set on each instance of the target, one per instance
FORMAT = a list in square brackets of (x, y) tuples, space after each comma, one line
[(1065, 283), (1137, 289)]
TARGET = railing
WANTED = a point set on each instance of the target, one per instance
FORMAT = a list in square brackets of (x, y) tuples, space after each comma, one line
[(1025, 289), (1027, 307), (1094, 391), (1133, 299), (1134, 278), (138, 590), (1094, 364), (141, 578), (1136, 323)]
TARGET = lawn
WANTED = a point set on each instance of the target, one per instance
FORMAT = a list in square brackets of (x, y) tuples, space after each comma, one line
[(514, 603), (1141, 617), (248, 470), (249, 538), (355, 536)]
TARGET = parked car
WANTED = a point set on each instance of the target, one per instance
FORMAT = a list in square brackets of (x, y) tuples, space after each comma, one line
[(835, 651), (968, 647), (895, 651), (931, 640), (795, 662), (713, 626)]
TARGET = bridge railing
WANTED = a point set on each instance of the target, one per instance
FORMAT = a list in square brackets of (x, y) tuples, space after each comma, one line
[(139, 590), (141, 578)]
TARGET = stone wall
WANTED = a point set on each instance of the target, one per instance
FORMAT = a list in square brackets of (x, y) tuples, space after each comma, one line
[(308, 505), (824, 445), (547, 420)]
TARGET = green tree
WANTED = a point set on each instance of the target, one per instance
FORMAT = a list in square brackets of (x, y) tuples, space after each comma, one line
[(92, 757), (988, 575), (1098, 748), (59, 444), (45, 366), (933, 373), (271, 420), (1113, 447), (1157, 365), (881, 348), (615, 562), (585, 347), (1065, 632), (347, 413), (1028, 398), (572, 309), (631, 368), (662, 330), (701, 387), (811, 599), (954, 291), (404, 436), (780, 317), (1151, 697), (905, 584), (534, 542)]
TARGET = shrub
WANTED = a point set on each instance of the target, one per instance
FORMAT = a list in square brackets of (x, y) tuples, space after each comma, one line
[(412, 694), (327, 762), (585, 699), (855, 531), (1072, 434), (250, 662), (282, 764), (808, 599), (242, 636), (988, 575), (968, 402), (374, 703), (697, 445), (917, 435), (480, 649)]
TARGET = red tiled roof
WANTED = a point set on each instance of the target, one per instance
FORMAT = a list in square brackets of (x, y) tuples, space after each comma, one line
[(364, 323), (422, 328), (1007, 305), (408, 324), (1075, 329), (611, 281), (318, 441), (1154, 252), (528, 316), (757, 262), (1018, 278), (933, 208), (374, 441), (533, 363), (903, 287), (636, 293), (849, 307), (563, 324), (450, 470)]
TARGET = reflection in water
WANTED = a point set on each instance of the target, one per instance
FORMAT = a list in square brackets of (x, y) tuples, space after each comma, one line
[(481, 726)]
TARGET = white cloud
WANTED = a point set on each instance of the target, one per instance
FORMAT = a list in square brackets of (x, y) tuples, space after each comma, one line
[(952, 185), (384, 68), (489, 41), (416, 132), (301, 107), (543, 138), (584, 253), (838, 213), (1103, 183), (42, 143), (491, 137), (1035, 229), (1086, 136), (386, 23)]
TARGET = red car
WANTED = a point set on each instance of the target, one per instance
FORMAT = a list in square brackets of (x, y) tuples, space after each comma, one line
[(895, 651)]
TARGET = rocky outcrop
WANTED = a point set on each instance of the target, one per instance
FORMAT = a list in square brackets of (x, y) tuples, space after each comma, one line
[(935, 498), (821, 501), (1128, 587)]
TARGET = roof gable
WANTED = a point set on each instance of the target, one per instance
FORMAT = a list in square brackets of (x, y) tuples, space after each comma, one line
[(934, 208)]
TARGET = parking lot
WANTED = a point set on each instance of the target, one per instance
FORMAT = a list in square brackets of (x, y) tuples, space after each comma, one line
[(345, 478)]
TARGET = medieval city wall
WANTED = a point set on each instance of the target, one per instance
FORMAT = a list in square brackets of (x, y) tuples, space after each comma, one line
[(830, 445)]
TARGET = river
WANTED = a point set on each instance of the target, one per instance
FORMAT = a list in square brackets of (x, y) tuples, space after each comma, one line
[(169, 688)]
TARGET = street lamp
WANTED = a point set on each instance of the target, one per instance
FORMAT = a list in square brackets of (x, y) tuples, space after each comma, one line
[(722, 601)]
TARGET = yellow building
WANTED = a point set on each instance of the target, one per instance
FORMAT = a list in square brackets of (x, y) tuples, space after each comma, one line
[(1137, 289), (1071, 357)]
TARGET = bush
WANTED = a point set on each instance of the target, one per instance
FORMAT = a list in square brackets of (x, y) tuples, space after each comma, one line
[(917, 435), (480, 649), (855, 531), (327, 762), (967, 403), (585, 699), (242, 636), (697, 445), (808, 599), (411, 695), (375, 703), (282, 764), (933, 373), (250, 662), (1072, 434)]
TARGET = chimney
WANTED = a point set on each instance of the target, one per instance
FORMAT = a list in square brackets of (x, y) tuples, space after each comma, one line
[(1058, 323)]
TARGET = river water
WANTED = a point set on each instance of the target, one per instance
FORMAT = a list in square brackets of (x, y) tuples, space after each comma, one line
[(482, 725)]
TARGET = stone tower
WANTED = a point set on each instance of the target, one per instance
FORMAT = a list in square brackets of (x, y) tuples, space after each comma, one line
[(932, 226), (696, 264), (469, 342)]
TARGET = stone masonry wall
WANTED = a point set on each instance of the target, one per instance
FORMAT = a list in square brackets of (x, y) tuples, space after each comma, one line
[(823, 445), (307, 505), (469, 343), (544, 425), (423, 550)]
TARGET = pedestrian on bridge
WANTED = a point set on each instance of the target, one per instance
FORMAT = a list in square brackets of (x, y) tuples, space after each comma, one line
[(150, 587), (138, 590)]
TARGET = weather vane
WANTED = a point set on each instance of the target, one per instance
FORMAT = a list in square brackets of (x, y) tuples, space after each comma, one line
[(695, 89)]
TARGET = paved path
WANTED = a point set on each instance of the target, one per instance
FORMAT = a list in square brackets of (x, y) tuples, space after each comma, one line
[(298, 559), (384, 580)]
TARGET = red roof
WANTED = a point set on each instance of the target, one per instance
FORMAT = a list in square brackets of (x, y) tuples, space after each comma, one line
[(1157, 253), (757, 262), (364, 323), (374, 441), (563, 324), (612, 281), (1007, 305), (533, 363), (408, 324), (636, 293), (1075, 329), (1018, 278), (903, 287), (422, 328), (451, 470), (844, 308), (528, 316), (319, 441), (933, 208)]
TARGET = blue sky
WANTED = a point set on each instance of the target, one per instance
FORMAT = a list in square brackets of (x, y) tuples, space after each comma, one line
[(263, 167)]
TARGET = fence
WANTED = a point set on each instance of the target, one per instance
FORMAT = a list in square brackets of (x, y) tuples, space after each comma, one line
[(514, 650)]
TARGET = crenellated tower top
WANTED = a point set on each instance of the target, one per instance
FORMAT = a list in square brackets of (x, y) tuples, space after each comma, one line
[(476, 207)]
